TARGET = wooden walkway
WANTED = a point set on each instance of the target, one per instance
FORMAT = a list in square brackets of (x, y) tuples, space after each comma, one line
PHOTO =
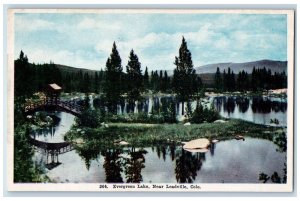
[(67, 106), (51, 150)]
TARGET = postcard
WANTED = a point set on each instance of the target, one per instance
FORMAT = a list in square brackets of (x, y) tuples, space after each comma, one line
[(153, 100)]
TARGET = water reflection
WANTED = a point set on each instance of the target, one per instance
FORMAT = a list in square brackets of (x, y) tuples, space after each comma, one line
[(113, 165), (231, 161), (256, 109), (134, 165), (187, 165)]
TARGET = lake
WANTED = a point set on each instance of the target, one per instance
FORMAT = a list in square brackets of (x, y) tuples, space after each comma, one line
[(256, 109), (230, 161)]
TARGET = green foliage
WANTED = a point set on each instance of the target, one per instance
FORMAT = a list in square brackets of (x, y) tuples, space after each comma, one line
[(218, 80), (146, 78), (134, 78), (184, 78), (201, 114), (143, 135), (113, 85), (24, 169), (90, 118)]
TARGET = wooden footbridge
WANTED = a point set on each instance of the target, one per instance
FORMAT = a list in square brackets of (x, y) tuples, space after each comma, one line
[(51, 150), (70, 106), (52, 102)]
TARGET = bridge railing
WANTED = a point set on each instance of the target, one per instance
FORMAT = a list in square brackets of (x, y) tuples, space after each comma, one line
[(69, 105)]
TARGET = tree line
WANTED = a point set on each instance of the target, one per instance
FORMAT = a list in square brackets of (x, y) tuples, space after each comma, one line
[(260, 79), (113, 82), (116, 83)]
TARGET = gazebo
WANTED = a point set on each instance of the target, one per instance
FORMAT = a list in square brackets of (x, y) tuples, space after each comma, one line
[(52, 92)]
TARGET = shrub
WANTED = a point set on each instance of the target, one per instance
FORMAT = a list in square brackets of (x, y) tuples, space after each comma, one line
[(204, 114), (90, 118)]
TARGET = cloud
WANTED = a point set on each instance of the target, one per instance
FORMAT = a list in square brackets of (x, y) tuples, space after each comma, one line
[(31, 25), (86, 40)]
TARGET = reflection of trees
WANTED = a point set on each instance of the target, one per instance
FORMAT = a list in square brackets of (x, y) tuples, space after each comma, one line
[(218, 103), (134, 165), (164, 150), (113, 165), (229, 105), (242, 103), (187, 165), (266, 105), (259, 105), (212, 148), (87, 155)]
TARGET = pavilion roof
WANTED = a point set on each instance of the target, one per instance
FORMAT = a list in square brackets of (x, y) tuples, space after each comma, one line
[(55, 87)]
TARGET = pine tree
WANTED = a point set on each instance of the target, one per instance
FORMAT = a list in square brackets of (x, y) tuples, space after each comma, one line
[(113, 73), (135, 78), (86, 83), (184, 74), (96, 83), (23, 76), (146, 78), (218, 80)]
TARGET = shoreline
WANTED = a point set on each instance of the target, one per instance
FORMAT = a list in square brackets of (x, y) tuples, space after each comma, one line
[(141, 135)]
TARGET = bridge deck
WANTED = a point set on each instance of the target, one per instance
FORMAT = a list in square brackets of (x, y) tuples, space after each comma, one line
[(68, 106)]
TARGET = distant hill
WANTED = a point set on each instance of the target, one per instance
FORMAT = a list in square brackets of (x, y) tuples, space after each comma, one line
[(274, 66), (69, 69), (207, 72)]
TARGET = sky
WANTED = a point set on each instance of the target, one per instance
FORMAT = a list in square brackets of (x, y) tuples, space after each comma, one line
[(85, 40)]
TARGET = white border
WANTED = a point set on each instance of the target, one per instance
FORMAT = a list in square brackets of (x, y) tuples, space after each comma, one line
[(288, 187)]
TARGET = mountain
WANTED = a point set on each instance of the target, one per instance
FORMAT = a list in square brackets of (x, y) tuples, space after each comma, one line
[(69, 69), (274, 66)]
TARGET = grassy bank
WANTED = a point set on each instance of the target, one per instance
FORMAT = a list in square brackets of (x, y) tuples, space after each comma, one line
[(142, 135)]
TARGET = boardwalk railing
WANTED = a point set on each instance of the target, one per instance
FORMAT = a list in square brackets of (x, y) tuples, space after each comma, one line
[(51, 150), (68, 106)]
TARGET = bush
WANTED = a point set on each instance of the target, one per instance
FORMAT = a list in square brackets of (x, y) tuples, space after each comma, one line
[(90, 118), (204, 114)]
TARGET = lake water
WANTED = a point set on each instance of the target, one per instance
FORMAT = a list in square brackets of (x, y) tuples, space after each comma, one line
[(257, 109), (55, 133), (231, 161)]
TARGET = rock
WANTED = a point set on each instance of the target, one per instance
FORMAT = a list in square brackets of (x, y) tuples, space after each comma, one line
[(239, 137), (117, 141), (197, 150), (219, 121), (187, 124), (123, 143), (29, 116), (79, 141), (214, 141), (200, 143)]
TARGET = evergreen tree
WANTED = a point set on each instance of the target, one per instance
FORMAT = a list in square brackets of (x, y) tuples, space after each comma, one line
[(113, 73), (146, 78), (86, 83), (232, 81), (165, 82), (96, 83), (218, 80), (135, 78), (184, 74), (224, 81), (23, 76)]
